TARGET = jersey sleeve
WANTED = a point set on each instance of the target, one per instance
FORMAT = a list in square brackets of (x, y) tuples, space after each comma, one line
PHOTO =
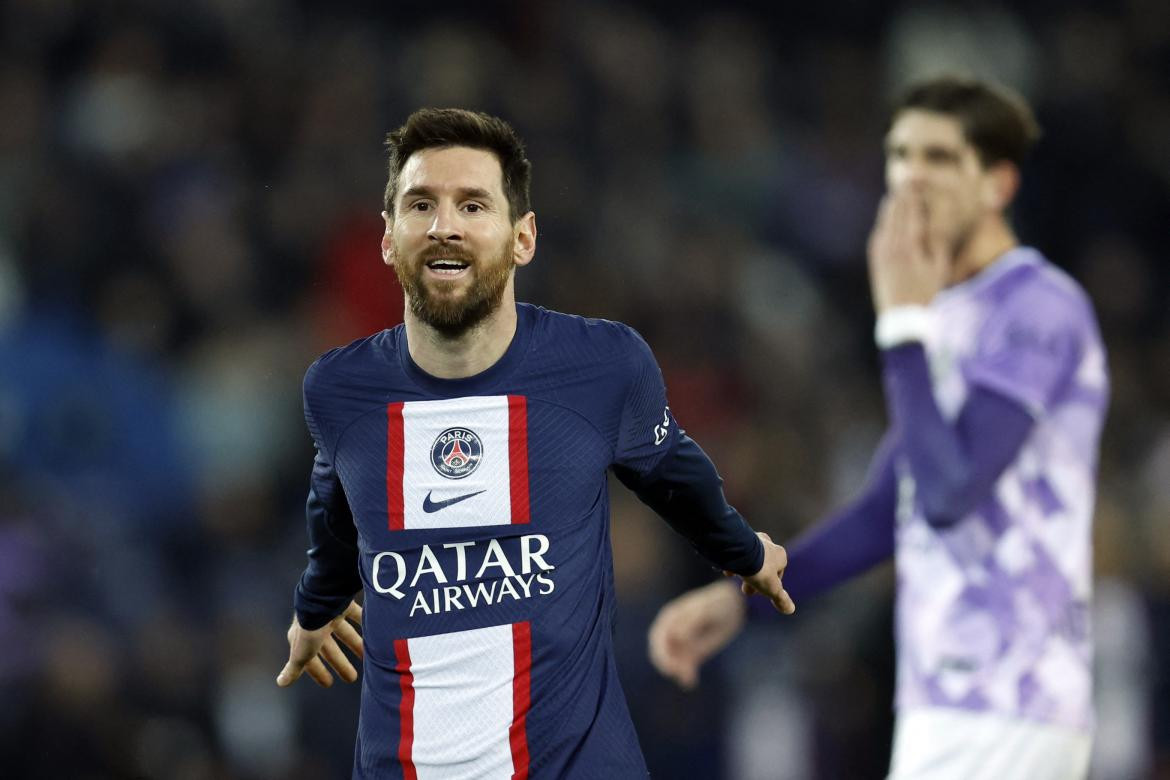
[(1030, 351), (332, 575), (647, 432), (955, 464), (672, 475), (687, 492)]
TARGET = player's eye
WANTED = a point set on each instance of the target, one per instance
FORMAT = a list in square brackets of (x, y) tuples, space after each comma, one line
[(942, 156), (473, 208), (420, 205)]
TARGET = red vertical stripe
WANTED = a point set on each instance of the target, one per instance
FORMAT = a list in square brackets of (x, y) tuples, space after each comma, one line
[(521, 698), (518, 456), (395, 455), (405, 709)]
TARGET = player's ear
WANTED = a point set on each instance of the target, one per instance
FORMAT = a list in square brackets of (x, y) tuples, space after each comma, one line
[(1001, 184), (388, 240), (524, 239)]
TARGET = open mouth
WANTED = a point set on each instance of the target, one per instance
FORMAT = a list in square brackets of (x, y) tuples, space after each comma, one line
[(447, 267)]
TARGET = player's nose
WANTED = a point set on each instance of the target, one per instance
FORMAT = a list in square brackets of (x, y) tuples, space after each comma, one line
[(915, 175), (445, 225), (909, 181)]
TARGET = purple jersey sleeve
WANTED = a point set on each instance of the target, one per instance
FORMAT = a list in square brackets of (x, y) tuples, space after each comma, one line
[(954, 465), (847, 543), (1029, 350)]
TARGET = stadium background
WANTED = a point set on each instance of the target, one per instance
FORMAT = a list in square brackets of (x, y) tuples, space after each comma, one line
[(189, 197)]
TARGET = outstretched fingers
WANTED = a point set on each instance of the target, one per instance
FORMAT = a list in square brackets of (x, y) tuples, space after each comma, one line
[(769, 580), (337, 659), (784, 603), (316, 670), (300, 652), (290, 673), (350, 637), (315, 652)]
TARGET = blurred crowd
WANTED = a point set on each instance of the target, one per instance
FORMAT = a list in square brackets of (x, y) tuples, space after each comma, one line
[(189, 198)]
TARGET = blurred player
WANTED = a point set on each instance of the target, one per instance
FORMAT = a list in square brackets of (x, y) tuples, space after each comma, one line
[(983, 487), (460, 482)]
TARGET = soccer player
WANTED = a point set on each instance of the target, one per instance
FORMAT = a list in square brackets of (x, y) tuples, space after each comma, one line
[(460, 482), (982, 488)]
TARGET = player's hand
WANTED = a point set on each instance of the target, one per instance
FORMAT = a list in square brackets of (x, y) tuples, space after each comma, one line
[(907, 263), (693, 627), (310, 651), (767, 581)]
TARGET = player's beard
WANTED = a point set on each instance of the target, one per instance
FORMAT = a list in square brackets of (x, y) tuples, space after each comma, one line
[(439, 306)]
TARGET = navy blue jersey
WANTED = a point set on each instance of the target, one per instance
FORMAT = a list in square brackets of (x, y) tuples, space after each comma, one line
[(474, 515)]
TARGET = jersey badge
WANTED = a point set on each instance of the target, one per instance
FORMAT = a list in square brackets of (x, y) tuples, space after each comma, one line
[(456, 453)]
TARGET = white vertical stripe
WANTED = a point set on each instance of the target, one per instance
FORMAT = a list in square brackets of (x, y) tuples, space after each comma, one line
[(423, 421), (463, 703)]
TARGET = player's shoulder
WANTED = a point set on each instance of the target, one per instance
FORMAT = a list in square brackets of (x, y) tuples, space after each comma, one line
[(588, 335), (359, 357), (606, 352), (1037, 287), (587, 328)]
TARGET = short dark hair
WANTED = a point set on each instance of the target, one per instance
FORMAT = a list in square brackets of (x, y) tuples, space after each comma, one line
[(995, 120), (439, 128)]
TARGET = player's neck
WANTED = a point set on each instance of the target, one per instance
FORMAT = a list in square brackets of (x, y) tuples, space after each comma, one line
[(469, 353), (988, 242)]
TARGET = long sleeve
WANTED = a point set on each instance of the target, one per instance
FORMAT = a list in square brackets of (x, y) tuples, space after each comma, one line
[(954, 465), (332, 577), (687, 491), (672, 475), (954, 468), (848, 542), (852, 540)]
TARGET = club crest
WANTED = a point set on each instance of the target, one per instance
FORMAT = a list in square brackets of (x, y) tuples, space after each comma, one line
[(456, 453)]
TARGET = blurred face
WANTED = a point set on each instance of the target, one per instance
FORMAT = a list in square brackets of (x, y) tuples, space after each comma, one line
[(450, 239), (927, 154)]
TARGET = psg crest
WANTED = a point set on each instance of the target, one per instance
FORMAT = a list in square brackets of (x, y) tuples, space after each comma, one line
[(456, 453)]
